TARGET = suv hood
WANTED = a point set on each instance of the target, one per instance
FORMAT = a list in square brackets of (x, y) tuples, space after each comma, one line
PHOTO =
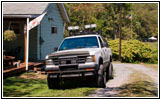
[(86, 51)]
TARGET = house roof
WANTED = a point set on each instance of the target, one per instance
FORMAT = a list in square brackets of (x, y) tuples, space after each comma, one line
[(30, 10)]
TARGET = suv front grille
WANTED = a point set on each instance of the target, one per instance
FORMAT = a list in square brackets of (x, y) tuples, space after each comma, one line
[(67, 60), (81, 59), (55, 61)]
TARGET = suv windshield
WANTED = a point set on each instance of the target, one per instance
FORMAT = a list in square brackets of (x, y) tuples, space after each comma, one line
[(80, 42)]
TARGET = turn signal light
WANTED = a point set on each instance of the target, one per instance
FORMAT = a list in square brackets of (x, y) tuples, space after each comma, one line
[(94, 58), (89, 69), (50, 71)]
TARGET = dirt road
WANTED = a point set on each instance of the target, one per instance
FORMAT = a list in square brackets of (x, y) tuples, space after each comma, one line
[(126, 74)]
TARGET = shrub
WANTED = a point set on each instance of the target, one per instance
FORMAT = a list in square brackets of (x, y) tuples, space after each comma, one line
[(134, 51)]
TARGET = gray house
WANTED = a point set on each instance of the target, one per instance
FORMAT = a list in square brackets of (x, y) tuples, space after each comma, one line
[(44, 38)]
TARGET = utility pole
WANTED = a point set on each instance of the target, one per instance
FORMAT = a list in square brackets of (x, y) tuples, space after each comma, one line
[(120, 32), (131, 26)]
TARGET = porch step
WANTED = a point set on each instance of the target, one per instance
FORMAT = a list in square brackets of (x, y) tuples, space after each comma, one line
[(39, 68), (16, 70), (41, 72)]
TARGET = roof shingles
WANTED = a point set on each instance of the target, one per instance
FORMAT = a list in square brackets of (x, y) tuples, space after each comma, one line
[(24, 8)]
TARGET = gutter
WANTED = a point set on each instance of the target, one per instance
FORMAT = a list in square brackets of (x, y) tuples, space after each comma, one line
[(19, 16)]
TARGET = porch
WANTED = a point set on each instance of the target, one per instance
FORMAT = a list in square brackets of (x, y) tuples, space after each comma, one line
[(14, 52), (14, 70), (16, 48)]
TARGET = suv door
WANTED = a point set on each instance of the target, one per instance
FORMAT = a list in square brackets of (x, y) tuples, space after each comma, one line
[(107, 49), (103, 50)]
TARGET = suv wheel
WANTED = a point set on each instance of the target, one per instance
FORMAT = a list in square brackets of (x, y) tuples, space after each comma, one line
[(101, 78), (52, 83)]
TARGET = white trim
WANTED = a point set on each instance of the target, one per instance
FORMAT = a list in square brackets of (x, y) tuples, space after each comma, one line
[(66, 14), (63, 12), (27, 49)]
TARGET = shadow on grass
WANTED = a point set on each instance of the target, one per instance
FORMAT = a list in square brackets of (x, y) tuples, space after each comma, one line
[(21, 87), (17, 87), (139, 89), (72, 83), (135, 89)]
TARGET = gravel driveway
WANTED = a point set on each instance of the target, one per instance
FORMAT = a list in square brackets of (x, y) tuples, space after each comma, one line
[(122, 74)]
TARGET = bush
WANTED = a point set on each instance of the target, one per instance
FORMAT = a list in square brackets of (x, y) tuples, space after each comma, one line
[(134, 51)]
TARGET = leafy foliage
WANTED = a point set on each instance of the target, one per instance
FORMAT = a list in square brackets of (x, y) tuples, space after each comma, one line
[(147, 17), (9, 35), (142, 24), (134, 51)]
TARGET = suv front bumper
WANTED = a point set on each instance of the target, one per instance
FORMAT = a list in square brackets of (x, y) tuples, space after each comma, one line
[(87, 69)]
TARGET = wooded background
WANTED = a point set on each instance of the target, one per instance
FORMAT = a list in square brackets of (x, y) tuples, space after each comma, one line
[(139, 20)]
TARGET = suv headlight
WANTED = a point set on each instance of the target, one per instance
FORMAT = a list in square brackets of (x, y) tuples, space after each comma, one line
[(47, 57), (90, 59), (49, 61)]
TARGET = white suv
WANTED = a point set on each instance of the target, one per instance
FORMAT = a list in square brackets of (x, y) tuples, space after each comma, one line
[(80, 56)]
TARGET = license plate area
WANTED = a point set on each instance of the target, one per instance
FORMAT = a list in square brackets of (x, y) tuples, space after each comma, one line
[(68, 68)]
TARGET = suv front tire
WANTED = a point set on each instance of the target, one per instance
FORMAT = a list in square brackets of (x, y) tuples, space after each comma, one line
[(101, 78), (52, 83)]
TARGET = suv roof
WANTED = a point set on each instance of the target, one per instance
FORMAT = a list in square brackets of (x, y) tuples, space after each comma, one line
[(87, 35)]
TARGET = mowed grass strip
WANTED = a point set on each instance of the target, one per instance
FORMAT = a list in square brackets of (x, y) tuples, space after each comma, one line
[(24, 87), (155, 44)]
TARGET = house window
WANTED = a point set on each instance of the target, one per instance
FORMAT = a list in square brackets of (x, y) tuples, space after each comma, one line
[(54, 30), (15, 27)]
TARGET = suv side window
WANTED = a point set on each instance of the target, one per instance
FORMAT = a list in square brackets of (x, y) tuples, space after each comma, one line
[(100, 42), (105, 42), (107, 45)]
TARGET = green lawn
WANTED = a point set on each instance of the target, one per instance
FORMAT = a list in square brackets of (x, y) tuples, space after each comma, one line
[(23, 87), (155, 44)]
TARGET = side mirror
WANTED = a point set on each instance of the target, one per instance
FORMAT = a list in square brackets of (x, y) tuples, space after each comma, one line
[(105, 44), (55, 49)]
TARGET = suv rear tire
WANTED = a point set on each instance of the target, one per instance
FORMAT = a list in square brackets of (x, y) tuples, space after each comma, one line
[(111, 71)]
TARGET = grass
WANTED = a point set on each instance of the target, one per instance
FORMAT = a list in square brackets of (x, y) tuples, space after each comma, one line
[(17, 86), (140, 85), (34, 85), (139, 89), (154, 44)]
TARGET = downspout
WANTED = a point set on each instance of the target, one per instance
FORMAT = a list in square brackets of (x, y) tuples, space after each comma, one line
[(64, 28), (40, 40)]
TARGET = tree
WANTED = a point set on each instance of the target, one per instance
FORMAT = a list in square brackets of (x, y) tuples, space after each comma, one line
[(147, 18), (106, 15)]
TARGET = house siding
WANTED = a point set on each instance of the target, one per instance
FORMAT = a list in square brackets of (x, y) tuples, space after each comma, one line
[(33, 44), (51, 41)]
